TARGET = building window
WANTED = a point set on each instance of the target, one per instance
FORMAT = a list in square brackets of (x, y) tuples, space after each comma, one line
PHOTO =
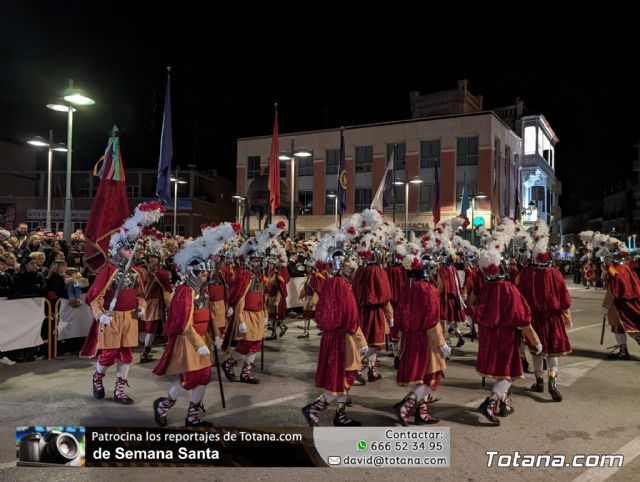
[(330, 203), (363, 199), (429, 153), (181, 229), (305, 199), (507, 160), (364, 158), (253, 167), (132, 191), (305, 166), (496, 155), (426, 197), (467, 151), (333, 161), (400, 154), (472, 189)]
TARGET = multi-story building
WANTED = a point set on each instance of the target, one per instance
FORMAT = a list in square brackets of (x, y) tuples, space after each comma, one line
[(476, 146), (205, 198)]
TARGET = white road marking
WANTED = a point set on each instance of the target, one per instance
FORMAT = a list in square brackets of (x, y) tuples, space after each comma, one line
[(573, 330), (7, 465), (258, 405), (569, 374), (597, 474)]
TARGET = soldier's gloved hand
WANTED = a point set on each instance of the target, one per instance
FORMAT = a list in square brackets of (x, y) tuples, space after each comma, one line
[(242, 328), (538, 348), (204, 350), (363, 350), (230, 312), (105, 319), (391, 323), (446, 350), (140, 312)]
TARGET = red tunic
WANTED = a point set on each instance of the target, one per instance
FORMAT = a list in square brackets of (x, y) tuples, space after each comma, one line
[(418, 311), (499, 311), (397, 279), (547, 296), (625, 287), (372, 292), (336, 316), (450, 307)]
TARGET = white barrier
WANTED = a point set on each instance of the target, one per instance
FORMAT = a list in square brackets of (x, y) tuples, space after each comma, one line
[(20, 323), (294, 287), (73, 322)]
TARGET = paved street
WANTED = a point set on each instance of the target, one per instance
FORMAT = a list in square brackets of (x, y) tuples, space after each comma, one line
[(599, 414)]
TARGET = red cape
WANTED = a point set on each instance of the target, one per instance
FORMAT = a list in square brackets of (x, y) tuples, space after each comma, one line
[(397, 276), (90, 347), (371, 286), (239, 286), (544, 289), (336, 315), (624, 284), (501, 304), (419, 308)]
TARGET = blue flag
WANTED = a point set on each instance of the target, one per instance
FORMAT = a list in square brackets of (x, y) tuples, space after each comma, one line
[(163, 185), (342, 178)]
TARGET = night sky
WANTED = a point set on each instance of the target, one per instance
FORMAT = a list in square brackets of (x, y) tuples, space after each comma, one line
[(325, 64)]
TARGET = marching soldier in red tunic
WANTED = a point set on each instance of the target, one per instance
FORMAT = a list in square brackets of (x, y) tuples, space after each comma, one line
[(310, 294), (218, 291), (545, 291), (341, 345), (277, 279), (423, 348), (157, 291), (188, 353), (503, 316), (117, 301), (247, 300)]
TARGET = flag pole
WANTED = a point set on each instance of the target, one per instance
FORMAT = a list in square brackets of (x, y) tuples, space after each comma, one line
[(394, 183), (339, 201)]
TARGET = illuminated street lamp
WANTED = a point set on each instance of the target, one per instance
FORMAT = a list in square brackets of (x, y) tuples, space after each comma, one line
[(399, 182), (73, 97), (334, 196), (176, 180), (290, 156), (41, 142)]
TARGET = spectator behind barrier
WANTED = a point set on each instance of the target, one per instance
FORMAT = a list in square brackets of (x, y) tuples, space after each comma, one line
[(40, 257), (29, 282), (6, 280), (56, 282)]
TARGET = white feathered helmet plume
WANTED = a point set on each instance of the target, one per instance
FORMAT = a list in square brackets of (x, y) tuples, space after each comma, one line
[(154, 242), (491, 255), (540, 234), (144, 215), (196, 252), (337, 237), (258, 244)]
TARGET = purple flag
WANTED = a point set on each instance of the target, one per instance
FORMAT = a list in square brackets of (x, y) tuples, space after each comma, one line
[(342, 178), (163, 185)]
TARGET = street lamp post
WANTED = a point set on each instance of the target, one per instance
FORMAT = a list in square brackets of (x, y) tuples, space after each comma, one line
[(292, 157), (73, 97), (399, 182), (176, 180), (335, 208), (239, 217), (40, 142), (480, 195)]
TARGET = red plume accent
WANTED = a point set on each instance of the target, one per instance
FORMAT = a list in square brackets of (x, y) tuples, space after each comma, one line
[(415, 264), (281, 225), (236, 227)]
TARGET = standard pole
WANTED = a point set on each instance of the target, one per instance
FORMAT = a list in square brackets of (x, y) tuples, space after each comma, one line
[(49, 175), (67, 198), (175, 209), (336, 210), (292, 223), (473, 205), (406, 210), (394, 183)]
